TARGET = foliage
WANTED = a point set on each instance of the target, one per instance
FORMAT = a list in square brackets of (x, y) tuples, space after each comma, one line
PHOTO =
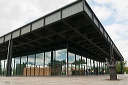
[(118, 67), (19, 69), (56, 66), (126, 70), (79, 61), (57, 62)]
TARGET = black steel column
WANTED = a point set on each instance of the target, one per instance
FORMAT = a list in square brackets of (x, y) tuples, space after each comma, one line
[(80, 73), (75, 63), (111, 51), (44, 64), (67, 58), (4, 73), (0, 68), (99, 67), (52, 65), (93, 66), (121, 64), (27, 67), (35, 65), (20, 67), (90, 67), (86, 66), (14, 68), (9, 58)]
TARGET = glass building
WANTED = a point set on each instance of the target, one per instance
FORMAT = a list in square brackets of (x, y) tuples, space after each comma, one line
[(69, 41), (57, 63)]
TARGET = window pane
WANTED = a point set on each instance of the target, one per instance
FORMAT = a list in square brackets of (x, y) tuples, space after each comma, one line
[(30, 69), (24, 65), (71, 61), (17, 65), (60, 62), (47, 70), (39, 64), (2, 67)]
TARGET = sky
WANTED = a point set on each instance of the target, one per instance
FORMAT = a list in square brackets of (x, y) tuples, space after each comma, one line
[(113, 15)]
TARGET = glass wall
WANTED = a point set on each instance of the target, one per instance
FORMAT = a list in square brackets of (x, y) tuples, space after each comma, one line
[(71, 64), (39, 65), (60, 62), (17, 66), (78, 64), (56, 62), (47, 68), (24, 64), (84, 65), (96, 68), (31, 65), (13, 66), (3, 68)]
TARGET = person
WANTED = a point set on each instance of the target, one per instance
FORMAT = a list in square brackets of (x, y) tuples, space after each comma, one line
[(86, 71)]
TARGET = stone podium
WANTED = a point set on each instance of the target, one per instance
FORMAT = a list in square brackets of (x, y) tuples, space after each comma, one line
[(112, 68)]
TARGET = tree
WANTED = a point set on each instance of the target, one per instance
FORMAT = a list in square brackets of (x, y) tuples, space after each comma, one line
[(19, 69), (79, 61), (56, 66), (118, 67)]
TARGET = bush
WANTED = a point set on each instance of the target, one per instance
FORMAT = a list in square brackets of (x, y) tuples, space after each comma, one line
[(126, 70)]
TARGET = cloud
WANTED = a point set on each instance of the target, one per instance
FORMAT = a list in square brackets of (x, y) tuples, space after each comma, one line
[(115, 15), (103, 13), (119, 34), (118, 31), (119, 8), (17, 13)]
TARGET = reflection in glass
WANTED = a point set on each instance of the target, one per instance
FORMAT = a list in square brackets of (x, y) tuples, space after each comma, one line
[(39, 64), (5, 64), (59, 62), (96, 68), (47, 69), (23, 66), (13, 67), (30, 69), (71, 63), (2, 67), (83, 65), (17, 66)]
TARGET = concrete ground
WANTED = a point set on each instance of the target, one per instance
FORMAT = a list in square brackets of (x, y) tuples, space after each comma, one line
[(63, 80)]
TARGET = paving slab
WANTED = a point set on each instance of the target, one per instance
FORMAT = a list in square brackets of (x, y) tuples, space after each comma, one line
[(65, 80)]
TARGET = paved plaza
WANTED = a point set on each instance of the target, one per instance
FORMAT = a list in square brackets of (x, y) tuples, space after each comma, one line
[(63, 80)]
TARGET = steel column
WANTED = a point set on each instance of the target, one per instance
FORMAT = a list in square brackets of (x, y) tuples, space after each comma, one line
[(111, 51), (52, 65), (75, 63), (44, 64), (0, 68), (67, 58), (121, 64), (9, 58)]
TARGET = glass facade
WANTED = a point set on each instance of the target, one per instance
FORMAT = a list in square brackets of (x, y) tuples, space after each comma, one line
[(53, 63), (3, 68), (39, 64)]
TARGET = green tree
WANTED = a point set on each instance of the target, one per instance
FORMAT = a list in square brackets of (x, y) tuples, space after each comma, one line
[(19, 69), (79, 61), (118, 67), (56, 66)]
